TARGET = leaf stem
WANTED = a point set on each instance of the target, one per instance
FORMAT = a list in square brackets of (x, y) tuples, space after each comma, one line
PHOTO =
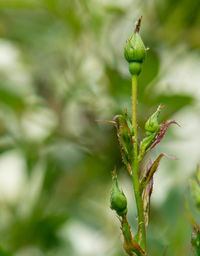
[(135, 165)]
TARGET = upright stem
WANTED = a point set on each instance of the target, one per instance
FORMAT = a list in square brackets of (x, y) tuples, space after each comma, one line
[(135, 166), (134, 111)]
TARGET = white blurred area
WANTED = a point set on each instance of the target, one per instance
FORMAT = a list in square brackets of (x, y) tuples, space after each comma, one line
[(12, 176), (85, 241)]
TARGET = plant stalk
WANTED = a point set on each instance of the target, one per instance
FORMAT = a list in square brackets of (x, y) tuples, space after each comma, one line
[(135, 165)]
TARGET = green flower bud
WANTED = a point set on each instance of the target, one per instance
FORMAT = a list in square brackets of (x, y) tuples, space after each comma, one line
[(135, 51), (118, 200), (152, 124)]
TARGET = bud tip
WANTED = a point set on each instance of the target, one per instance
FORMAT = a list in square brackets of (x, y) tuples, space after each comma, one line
[(137, 28)]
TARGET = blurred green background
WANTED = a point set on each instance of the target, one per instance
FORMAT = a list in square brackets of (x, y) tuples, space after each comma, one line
[(62, 68)]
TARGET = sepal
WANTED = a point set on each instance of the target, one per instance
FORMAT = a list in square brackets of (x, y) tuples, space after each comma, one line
[(152, 125)]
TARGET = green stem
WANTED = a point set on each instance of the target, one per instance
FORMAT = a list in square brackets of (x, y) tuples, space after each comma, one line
[(135, 167)]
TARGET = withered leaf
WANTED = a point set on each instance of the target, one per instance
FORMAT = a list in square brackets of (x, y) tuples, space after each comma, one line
[(161, 132)]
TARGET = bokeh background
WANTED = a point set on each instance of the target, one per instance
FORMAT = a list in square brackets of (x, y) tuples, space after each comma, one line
[(61, 69)]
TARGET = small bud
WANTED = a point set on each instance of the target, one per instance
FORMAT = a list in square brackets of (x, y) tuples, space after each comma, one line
[(152, 124), (118, 200), (135, 51)]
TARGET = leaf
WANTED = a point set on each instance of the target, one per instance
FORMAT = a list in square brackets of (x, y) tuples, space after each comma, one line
[(153, 168), (147, 184), (116, 80), (162, 130), (11, 98), (126, 141), (146, 196), (125, 137), (4, 253), (39, 229), (150, 70)]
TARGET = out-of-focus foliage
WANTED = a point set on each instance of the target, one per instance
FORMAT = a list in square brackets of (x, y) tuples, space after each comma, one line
[(61, 68), (195, 189)]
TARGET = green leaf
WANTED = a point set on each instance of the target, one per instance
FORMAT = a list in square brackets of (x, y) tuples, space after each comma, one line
[(118, 84), (4, 252), (152, 168), (161, 132), (11, 98), (126, 139), (146, 197), (150, 70), (126, 135), (147, 185)]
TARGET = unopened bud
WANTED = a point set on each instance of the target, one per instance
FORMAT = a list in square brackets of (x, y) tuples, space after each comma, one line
[(152, 124), (118, 200), (135, 51)]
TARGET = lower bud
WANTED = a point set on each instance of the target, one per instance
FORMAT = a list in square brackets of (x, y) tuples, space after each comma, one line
[(118, 200)]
